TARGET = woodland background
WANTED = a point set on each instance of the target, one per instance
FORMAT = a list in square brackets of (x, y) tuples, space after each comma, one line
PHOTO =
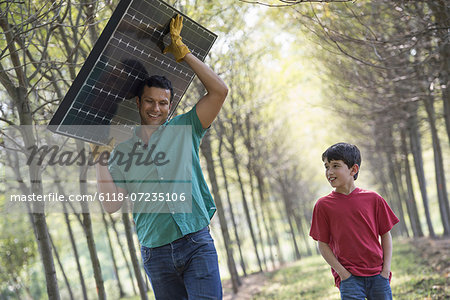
[(302, 75)]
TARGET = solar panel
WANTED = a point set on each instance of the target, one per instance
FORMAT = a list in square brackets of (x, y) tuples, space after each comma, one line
[(128, 50)]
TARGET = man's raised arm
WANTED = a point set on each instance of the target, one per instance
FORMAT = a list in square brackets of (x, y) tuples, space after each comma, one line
[(210, 104)]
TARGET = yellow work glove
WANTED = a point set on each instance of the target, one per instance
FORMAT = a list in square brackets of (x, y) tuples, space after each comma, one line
[(98, 150), (177, 47)]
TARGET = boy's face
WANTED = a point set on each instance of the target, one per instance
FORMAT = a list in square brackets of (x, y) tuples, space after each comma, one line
[(339, 174)]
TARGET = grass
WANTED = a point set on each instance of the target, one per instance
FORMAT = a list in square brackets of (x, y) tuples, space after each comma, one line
[(310, 278), (150, 296), (414, 278)]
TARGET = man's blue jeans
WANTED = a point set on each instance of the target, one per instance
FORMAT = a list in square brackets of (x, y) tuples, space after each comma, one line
[(371, 287), (185, 268)]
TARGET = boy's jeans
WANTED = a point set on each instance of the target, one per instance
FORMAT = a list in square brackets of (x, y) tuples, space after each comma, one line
[(185, 268), (371, 287)]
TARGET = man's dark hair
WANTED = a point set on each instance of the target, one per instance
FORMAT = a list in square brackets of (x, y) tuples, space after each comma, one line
[(156, 81), (348, 153)]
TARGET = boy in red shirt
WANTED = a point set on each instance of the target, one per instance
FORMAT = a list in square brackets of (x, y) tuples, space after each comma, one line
[(347, 224)]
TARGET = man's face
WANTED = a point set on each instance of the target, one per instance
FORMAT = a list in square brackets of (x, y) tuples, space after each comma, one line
[(154, 105)]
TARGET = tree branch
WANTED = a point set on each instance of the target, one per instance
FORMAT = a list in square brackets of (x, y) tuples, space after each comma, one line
[(7, 83), (293, 2)]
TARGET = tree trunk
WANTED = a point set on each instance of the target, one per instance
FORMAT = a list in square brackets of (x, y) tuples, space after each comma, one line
[(438, 165), (265, 217), (38, 215), (396, 190), (292, 230), (401, 189), (266, 207), (299, 223), (390, 152), (246, 209), (410, 200), (207, 153), (72, 239), (387, 193), (416, 149), (19, 96), (41, 230), (246, 134), (282, 181), (130, 272), (441, 12), (134, 260), (89, 8), (255, 209), (75, 252), (61, 267), (230, 205), (87, 227), (232, 150), (113, 258)]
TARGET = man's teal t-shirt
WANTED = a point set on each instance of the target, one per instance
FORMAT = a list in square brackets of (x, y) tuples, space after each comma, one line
[(165, 184)]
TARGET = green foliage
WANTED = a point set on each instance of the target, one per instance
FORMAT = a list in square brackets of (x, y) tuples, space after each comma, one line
[(17, 252)]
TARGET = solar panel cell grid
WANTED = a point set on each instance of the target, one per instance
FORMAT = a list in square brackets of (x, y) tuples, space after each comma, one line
[(128, 50)]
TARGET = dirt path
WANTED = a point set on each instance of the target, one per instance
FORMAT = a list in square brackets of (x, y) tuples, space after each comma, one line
[(436, 252), (251, 285)]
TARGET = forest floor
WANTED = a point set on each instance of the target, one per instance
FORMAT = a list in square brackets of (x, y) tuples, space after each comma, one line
[(421, 270)]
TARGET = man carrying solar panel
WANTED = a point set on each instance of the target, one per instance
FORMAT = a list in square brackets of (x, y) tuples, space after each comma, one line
[(177, 249)]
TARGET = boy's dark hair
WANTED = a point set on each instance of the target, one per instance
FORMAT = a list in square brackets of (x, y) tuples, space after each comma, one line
[(156, 81), (348, 153)]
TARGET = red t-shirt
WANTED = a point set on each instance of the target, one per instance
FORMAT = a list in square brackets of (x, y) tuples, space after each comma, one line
[(351, 225)]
